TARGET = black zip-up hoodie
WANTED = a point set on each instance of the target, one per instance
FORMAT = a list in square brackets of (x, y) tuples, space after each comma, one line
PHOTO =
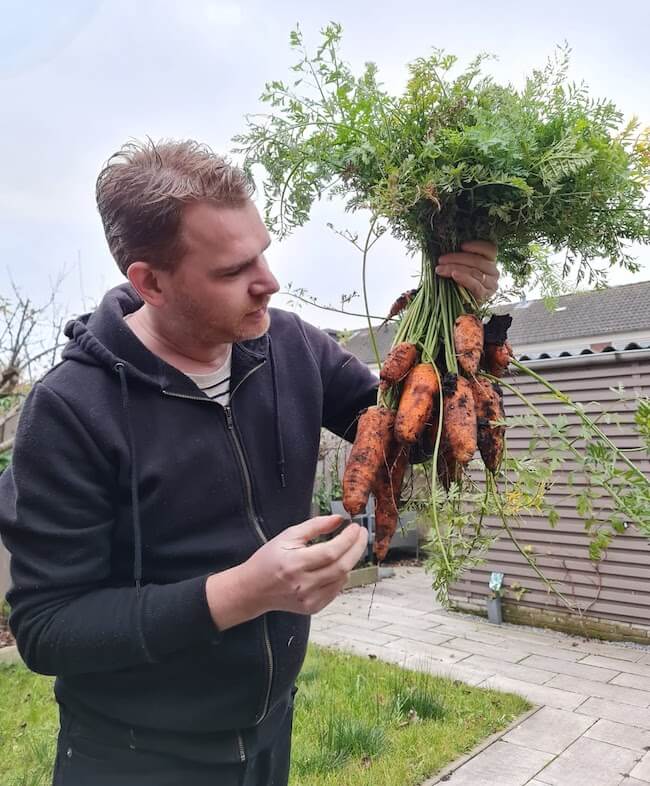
[(127, 488)]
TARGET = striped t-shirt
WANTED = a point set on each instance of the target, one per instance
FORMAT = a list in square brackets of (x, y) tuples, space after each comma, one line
[(216, 384)]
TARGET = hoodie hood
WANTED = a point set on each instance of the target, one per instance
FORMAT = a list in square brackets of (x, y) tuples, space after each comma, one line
[(103, 338)]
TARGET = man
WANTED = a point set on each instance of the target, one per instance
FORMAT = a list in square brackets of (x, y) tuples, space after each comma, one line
[(162, 474)]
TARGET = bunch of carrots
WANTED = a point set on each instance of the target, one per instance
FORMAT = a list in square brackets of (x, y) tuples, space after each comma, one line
[(436, 408), (418, 161)]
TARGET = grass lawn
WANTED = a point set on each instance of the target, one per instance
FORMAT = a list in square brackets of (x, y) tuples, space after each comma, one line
[(358, 722)]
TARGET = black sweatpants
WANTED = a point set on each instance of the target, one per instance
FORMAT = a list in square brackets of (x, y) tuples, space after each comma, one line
[(86, 760)]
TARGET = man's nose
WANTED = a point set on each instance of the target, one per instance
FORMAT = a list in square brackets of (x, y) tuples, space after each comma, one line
[(266, 283)]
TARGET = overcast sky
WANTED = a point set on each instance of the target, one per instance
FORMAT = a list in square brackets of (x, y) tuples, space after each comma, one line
[(80, 77)]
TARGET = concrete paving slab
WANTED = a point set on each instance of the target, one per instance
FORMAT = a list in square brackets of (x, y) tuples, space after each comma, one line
[(538, 694), (642, 669), (502, 764), (589, 763), (642, 770), (452, 671), (570, 668), (504, 669), (632, 681), (621, 734), (550, 730), (434, 651), (509, 654), (359, 634), (411, 633), (365, 650), (349, 618), (610, 649), (616, 711), (601, 690)]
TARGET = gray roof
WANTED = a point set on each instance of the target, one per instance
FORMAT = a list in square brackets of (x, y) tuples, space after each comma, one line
[(359, 342), (612, 311), (608, 312)]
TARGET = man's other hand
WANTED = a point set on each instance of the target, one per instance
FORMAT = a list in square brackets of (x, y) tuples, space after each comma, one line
[(473, 267)]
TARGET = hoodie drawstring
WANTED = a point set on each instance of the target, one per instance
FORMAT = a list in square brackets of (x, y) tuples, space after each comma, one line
[(135, 501), (278, 430)]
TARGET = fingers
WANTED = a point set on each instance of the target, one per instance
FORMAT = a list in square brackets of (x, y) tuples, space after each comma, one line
[(462, 260), (347, 548), (473, 268), (482, 247), (323, 585), (356, 551), (323, 596), (468, 279), (339, 570), (313, 528)]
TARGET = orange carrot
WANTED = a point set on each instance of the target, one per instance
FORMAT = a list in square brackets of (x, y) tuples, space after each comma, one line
[(387, 490), (497, 358), (401, 303), (399, 361), (449, 470), (488, 398), (416, 402), (374, 433), (459, 418), (430, 434), (468, 341)]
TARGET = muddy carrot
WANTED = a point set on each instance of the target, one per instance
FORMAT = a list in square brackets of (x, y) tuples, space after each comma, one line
[(387, 491), (488, 399), (374, 433), (468, 342), (449, 470), (401, 303), (497, 358), (399, 361), (416, 403), (430, 434), (459, 418)]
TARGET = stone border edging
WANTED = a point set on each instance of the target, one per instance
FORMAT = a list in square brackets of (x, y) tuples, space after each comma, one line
[(445, 774), (362, 576)]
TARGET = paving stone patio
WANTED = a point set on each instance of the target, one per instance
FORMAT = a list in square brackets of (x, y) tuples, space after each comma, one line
[(592, 724)]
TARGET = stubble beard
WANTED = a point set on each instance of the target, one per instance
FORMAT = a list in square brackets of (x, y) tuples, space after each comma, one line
[(207, 334), (251, 334)]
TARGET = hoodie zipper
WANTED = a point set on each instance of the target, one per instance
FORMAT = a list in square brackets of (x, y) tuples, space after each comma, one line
[(250, 509), (264, 539)]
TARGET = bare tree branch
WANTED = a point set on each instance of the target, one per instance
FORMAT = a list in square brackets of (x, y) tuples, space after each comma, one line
[(30, 337)]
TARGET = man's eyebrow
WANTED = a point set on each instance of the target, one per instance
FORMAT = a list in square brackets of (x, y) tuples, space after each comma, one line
[(244, 263)]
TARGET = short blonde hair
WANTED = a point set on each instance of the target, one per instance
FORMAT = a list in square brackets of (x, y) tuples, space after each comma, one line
[(142, 189)]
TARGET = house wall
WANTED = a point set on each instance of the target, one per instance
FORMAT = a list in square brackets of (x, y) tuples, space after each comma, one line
[(613, 595)]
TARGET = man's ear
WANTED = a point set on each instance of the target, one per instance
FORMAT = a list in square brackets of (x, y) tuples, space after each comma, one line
[(146, 281)]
